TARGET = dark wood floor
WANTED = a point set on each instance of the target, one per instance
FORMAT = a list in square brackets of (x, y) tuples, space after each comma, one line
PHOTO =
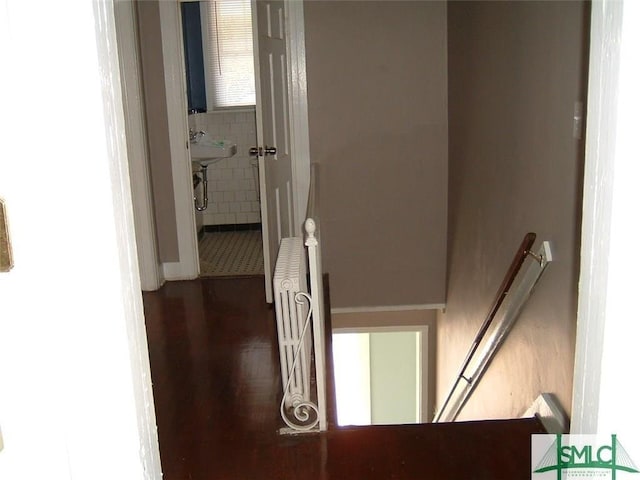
[(216, 385)]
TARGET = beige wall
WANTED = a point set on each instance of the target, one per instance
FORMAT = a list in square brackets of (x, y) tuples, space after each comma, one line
[(515, 71), (158, 130), (377, 83)]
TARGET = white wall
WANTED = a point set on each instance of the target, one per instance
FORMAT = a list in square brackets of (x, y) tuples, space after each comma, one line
[(75, 389)]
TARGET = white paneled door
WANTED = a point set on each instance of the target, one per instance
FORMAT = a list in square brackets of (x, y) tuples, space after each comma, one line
[(273, 131)]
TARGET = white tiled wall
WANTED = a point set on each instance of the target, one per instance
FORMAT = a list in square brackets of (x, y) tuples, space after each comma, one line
[(233, 182)]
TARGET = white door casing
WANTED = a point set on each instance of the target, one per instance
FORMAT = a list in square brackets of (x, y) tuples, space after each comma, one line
[(273, 131), (188, 266), (152, 272), (148, 261), (604, 394)]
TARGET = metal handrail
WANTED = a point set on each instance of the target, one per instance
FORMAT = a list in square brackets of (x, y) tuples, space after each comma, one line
[(524, 250)]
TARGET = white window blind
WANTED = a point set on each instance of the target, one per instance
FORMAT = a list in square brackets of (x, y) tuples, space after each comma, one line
[(228, 53)]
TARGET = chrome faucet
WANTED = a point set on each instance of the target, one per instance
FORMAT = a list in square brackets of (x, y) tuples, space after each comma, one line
[(193, 136)]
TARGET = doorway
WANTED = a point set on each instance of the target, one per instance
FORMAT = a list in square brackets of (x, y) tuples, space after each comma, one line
[(178, 232), (229, 226), (220, 81), (381, 375)]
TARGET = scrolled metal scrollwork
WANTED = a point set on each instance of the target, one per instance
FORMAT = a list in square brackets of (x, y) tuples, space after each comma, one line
[(301, 408)]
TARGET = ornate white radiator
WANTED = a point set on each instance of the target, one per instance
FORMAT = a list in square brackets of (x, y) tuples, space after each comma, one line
[(289, 279), (300, 320)]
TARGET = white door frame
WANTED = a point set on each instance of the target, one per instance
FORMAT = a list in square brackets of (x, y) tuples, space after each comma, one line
[(151, 275), (188, 265), (604, 395), (152, 272)]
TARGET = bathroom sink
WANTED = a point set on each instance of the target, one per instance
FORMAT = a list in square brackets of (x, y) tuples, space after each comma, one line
[(206, 150)]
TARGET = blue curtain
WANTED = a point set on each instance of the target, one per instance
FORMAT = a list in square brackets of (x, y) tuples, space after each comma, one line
[(192, 33)]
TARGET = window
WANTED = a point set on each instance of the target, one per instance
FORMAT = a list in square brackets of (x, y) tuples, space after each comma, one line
[(228, 53), (223, 73)]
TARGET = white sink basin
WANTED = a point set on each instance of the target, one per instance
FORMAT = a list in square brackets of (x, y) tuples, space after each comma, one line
[(206, 150)]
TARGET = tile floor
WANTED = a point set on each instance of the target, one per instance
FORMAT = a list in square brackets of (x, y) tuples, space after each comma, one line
[(231, 253)]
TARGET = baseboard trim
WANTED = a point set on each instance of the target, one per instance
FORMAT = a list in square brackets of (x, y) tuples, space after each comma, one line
[(550, 413), (388, 308)]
